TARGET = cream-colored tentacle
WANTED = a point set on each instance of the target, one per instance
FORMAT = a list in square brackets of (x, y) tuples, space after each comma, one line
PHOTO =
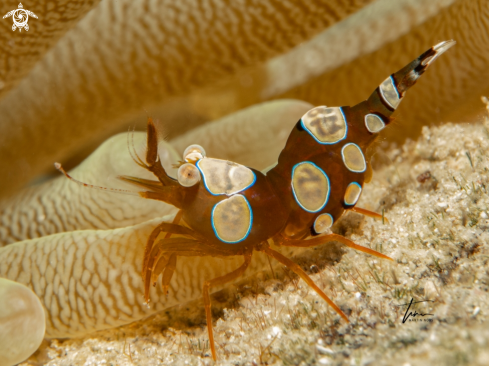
[(22, 322), (369, 29), (60, 205)]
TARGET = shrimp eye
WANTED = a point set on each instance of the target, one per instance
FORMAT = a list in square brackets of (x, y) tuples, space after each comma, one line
[(188, 175), (193, 153)]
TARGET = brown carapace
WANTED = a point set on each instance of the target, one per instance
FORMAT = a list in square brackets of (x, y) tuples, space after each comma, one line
[(227, 209)]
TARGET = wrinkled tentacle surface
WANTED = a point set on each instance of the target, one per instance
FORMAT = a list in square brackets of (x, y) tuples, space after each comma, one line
[(59, 205), (19, 51)]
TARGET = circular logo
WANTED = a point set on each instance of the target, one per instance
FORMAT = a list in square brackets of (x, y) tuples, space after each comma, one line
[(20, 18)]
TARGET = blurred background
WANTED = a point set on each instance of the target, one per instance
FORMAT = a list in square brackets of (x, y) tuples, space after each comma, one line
[(86, 70)]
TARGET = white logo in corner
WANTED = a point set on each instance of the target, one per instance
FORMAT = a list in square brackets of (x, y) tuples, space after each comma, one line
[(20, 17)]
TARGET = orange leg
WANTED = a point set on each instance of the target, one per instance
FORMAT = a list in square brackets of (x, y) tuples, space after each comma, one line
[(164, 226), (172, 262), (159, 264), (207, 300), (327, 238), (368, 213), (298, 270), (168, 273), (164, 255), (148, 258)]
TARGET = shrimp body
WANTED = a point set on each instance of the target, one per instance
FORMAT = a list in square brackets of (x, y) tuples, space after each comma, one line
[(233, 204), (227, 209)]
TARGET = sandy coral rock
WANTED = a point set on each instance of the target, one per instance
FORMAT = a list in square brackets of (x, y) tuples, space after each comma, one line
[(22, 322)]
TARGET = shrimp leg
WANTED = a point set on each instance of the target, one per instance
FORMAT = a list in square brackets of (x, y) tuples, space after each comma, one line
[(281, 240), (207, 300), (298, 270), (368, 213)]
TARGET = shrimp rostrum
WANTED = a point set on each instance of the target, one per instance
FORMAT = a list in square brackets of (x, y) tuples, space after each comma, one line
[(227, 209)]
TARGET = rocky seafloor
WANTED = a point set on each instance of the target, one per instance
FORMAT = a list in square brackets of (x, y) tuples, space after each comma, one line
[(434, 192)]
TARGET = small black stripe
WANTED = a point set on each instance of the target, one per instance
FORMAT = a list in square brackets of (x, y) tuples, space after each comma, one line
[(298, 125)]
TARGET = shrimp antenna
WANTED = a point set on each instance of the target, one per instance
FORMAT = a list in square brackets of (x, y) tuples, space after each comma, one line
[(134, 155), (115, 190)]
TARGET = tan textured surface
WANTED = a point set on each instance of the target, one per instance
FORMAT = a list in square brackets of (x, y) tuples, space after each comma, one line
[(19, 51), (126, 56), (366, 31), (461, 20)]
